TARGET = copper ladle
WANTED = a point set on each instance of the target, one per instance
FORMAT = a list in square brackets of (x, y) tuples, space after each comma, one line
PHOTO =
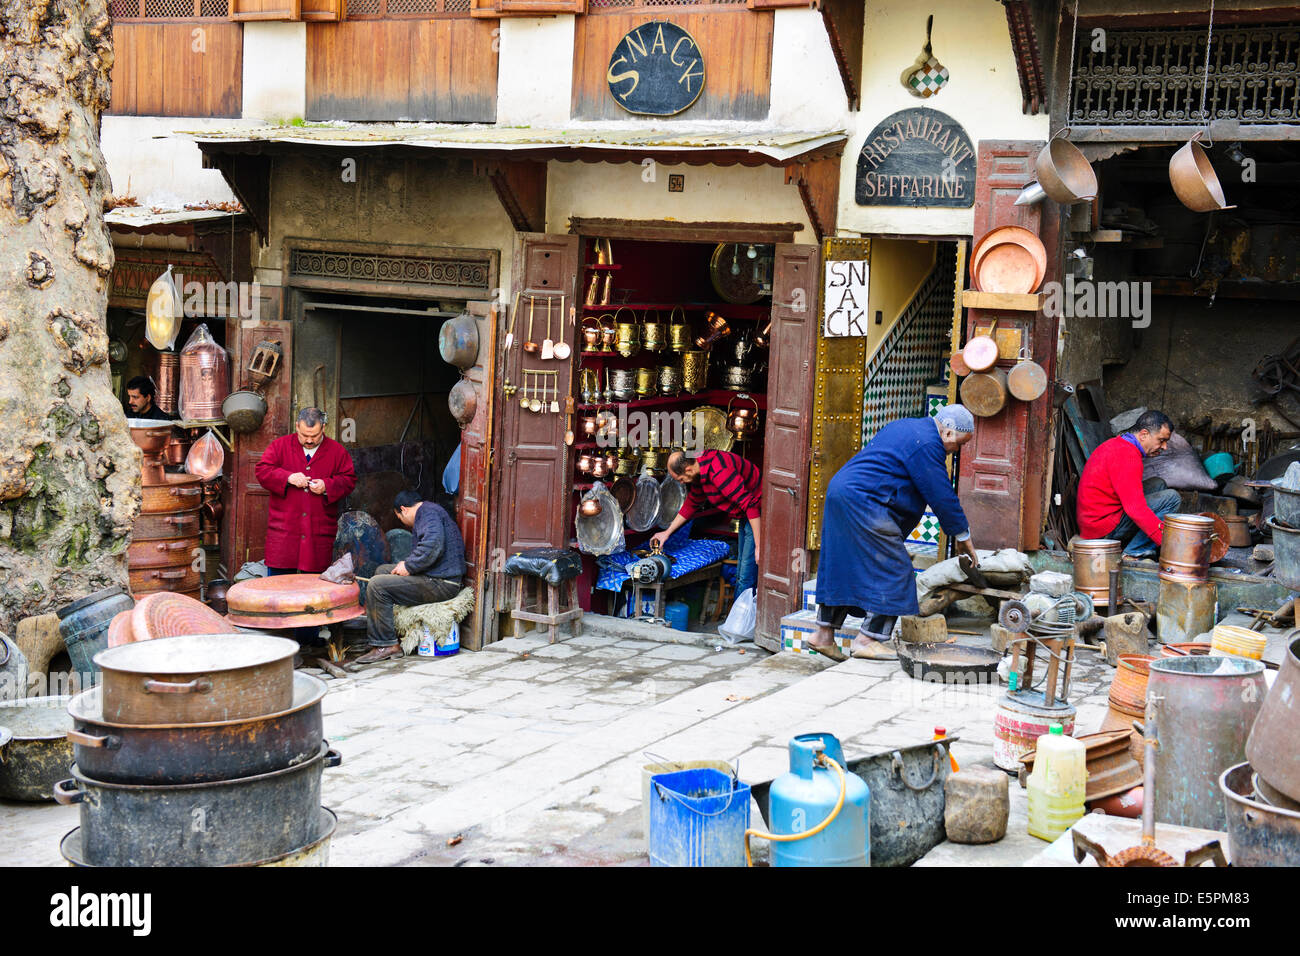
[(531, 347)]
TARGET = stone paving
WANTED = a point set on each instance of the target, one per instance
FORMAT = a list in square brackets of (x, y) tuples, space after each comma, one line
[(528, 753)]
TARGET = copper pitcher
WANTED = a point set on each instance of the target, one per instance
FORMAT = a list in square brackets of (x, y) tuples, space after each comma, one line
[(587, 425), (717, 327), (608, 333), (679, 333), (585, 463), (590, 334)]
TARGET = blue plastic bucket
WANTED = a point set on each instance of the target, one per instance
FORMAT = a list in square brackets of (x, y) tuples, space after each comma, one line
[(678, 614), (698, 818)]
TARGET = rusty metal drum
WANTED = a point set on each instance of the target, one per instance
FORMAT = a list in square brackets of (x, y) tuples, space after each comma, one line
[(291, 600), (1018, 723), (1206, 707), (1094, 559)]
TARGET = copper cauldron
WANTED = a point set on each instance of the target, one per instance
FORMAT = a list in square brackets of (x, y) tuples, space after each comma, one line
[(1185, 547)]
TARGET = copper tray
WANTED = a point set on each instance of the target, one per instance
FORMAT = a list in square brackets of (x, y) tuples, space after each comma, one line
[(291, 600)]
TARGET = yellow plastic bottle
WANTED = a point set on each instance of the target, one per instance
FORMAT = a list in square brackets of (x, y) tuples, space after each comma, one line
[(1057, 784)]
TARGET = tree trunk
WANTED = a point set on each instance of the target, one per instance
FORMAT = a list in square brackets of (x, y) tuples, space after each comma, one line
[(69, 472)]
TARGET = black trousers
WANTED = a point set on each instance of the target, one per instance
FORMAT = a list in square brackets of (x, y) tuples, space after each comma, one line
[(386, 591)]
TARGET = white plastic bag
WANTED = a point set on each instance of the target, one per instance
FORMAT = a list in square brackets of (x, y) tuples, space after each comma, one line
[(741, 619)]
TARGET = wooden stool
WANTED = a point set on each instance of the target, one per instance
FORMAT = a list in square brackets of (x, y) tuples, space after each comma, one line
[(555, 614), (726, 593)]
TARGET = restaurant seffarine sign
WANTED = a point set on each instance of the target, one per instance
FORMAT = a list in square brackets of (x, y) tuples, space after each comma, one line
[(916, 157)]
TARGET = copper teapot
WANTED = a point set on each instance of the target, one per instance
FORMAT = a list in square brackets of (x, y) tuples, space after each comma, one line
[(590, 507), (585, 463)]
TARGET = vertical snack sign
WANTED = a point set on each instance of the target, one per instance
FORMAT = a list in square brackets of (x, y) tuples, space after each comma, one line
[(844, 298)]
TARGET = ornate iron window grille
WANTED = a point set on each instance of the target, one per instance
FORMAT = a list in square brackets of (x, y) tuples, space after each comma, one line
[(1153, 77)]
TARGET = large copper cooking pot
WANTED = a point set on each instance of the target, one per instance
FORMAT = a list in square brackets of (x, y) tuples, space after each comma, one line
[(1195, 182), (1271, 748), (155, 527), (291, 600), (1185, 547), (173, 553), (176, 493)]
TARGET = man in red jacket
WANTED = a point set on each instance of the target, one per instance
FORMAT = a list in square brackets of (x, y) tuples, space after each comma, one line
[(308, 476), (1110, 499)]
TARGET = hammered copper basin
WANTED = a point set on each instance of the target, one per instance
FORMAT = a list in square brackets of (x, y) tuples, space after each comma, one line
[(291, 600), (166, 614), (196, 678)]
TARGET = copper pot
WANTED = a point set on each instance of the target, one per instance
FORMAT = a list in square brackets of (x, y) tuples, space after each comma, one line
[(590, 334), (1128, 688), (608, 333), (611, 462), (177, 493), (178, 446), (585, 462), (587, 424), (173, 553), (147, 580), (210, 512), (1185, 547), (216, 595), (598, 469), (590, 507), (148, 527), (743, 422), (1238, 531), (1094, 559), (606, 424), (151, 437)]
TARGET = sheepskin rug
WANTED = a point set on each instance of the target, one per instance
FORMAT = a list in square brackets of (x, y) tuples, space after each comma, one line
[(434, 619)]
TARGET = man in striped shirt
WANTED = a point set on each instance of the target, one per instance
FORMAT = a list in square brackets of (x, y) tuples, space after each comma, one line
[(721, 481)]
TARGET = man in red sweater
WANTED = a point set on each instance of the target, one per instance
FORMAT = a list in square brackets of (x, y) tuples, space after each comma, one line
[(1110, 499)]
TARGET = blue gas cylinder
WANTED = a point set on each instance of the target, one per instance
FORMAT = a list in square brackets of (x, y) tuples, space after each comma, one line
[(803, 798)]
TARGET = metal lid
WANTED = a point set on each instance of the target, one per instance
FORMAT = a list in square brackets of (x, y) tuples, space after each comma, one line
[(197, 654)]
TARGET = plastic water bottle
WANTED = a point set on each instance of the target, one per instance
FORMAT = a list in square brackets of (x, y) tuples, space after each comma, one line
[(1057, 784)]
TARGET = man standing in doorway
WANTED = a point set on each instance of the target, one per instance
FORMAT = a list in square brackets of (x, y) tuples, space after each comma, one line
[(308, 476), (722, 481)]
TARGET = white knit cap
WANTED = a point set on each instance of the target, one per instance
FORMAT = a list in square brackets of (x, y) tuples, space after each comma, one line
[(956, 417)]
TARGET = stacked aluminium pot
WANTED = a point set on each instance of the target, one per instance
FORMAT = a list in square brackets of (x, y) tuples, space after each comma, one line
[(165, 537), (200, 750)]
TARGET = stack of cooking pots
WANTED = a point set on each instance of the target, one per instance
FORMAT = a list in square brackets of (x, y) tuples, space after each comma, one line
[(166, 535), (200, 750)]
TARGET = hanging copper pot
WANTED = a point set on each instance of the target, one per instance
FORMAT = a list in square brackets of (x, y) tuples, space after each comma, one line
[(1064, 173), (606, 424), (584, 463), (590, 507), (743, 422), (205, 381), (1195, 182), (611, 462), (598, 469), (587, 424)]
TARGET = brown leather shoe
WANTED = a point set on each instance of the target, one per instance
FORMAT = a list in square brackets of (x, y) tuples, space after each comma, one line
[(377, 654)]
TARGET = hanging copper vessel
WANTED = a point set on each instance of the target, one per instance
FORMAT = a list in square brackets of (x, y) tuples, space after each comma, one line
[(584, 463), (743, 422), (590, 335), (608, 333), (205, 382)]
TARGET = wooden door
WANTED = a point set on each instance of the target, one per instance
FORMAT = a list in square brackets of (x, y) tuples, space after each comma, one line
[(1002, 468), (533, 494), (782, 558), (243, 533), (475, 475)]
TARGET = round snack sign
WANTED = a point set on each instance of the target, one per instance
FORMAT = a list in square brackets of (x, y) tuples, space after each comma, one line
[(656, 70)]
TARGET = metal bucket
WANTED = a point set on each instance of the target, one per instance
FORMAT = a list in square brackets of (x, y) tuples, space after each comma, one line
[(1185, 547), (1286, 506), (1094, 559), (1286, 555), (35, 753), (1258, 834), (1020, 721), (672, 766), (1207, 706), (83, 625)]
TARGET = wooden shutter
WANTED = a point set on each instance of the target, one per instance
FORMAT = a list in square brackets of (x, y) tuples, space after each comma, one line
[(533, 504), (476, 476), (265, 9), (1002, 468), (795, 319), (245, 513), (837, 399), (328, 11)]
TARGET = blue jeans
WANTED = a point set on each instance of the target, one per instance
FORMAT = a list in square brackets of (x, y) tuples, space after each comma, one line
[(746, 566), (1136, 541)]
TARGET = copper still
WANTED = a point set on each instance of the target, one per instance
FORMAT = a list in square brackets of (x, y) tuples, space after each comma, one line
[(167, 381), (1185, 547)]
